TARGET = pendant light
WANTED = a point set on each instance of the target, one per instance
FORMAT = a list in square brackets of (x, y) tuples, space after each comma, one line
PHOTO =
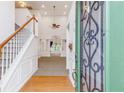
[(54, 25)]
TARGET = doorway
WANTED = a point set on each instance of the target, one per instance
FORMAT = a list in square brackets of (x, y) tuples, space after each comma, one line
[(56, 62)]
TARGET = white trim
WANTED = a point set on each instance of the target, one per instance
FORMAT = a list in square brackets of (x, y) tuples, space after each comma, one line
[(17, 88), (15, 64)]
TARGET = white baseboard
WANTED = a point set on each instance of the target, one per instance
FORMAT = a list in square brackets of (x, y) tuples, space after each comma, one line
[(71, 79)]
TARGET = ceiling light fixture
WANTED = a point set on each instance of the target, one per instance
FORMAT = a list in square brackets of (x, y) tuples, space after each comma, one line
[(54, 25), (65, 6), (42, 5), (45, 13), (22, 4), (29, 6), (64, 13)]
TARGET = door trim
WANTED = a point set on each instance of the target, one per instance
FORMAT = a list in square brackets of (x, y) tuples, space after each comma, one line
[(77, 56)]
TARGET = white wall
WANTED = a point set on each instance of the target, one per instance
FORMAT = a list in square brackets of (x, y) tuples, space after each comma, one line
[(46, 32), (38, 17), (7, 19), (38, 28), (22, 15), (71, 39)]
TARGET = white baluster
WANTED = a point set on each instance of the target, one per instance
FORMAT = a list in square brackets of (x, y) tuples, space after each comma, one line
[(10, 57), (13, 49), (16, 44), (7, 65), (3, 60), (7, 57)]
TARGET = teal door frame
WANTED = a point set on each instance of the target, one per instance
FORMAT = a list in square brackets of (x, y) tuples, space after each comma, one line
[(78, 13)]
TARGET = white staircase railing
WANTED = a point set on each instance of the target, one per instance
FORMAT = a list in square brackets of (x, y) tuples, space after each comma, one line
[(11, 47)]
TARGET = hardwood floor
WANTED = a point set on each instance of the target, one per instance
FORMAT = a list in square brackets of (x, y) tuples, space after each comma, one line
[(48, 84)]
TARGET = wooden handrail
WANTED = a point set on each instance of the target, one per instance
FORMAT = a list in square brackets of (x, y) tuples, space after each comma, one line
[(18, 30)]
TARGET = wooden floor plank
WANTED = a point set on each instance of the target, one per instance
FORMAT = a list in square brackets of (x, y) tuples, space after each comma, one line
[(48, 84)]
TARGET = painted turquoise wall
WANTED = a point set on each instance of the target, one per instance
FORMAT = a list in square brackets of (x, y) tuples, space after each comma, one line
[(115, 46)]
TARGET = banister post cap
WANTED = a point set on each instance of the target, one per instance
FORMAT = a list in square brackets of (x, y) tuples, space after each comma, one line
[(0, 52)]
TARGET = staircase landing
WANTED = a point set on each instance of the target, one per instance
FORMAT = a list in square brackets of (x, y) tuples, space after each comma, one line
[(51, 66)]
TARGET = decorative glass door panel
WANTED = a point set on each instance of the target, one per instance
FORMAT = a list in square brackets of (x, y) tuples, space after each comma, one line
[(92, 65), (55, 46)]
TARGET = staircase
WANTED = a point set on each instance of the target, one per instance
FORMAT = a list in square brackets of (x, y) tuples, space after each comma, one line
[(11, 48)]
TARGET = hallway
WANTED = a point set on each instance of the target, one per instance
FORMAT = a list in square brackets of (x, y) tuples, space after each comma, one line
[(51, 76), (42, 47), (48, 84)]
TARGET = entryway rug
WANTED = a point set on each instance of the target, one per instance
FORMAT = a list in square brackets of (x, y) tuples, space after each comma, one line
[(51, 66)]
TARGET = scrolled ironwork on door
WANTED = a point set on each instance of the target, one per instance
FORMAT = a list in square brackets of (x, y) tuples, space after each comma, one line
[(92, 66)]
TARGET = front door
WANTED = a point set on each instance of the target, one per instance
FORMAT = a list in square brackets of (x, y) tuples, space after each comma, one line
[(89, 46)]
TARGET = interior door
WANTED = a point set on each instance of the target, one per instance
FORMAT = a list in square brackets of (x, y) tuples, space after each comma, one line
[(89, 46)]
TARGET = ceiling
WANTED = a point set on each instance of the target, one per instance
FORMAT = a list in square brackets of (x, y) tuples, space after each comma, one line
[(46, 7)]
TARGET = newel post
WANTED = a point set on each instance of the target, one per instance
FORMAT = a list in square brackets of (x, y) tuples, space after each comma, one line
[(34, 24), (0, 52)]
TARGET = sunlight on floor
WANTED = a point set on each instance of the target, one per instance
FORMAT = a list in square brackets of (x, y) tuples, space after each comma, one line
[(48, 84)]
